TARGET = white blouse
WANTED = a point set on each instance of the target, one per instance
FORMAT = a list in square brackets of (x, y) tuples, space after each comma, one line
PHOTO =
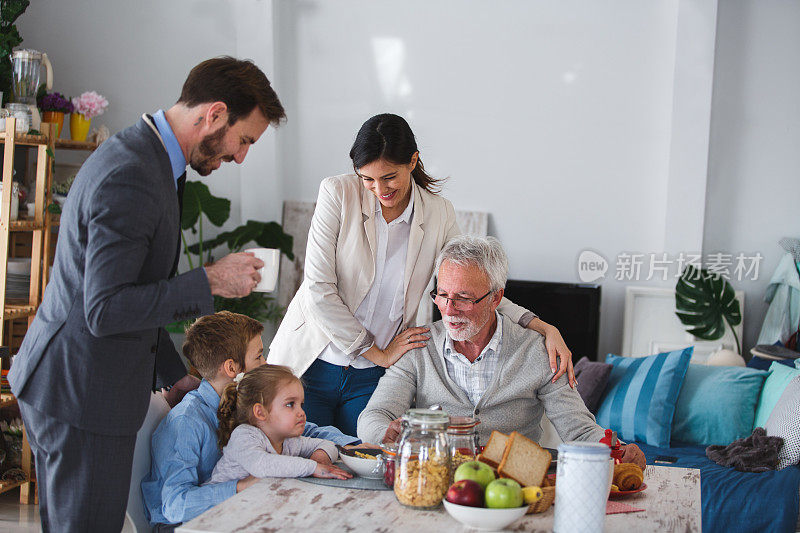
[(381, 311)]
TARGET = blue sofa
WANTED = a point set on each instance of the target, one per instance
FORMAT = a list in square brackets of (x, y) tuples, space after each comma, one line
[(711, 405)]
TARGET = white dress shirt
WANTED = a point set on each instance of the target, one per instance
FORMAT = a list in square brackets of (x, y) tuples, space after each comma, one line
[(474, 378), (381, 311)]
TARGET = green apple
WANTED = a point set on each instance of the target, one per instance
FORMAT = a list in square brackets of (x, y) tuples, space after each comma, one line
[(476, 471), (503, 494)]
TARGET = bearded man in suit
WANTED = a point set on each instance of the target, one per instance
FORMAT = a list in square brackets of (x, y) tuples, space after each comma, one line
[(97, 345)]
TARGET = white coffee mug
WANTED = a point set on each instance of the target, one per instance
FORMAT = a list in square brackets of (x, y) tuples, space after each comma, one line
[(269, 272)]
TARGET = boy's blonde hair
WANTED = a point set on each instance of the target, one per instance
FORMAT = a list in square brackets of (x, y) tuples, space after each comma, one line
[(213, 339), (260, 385)]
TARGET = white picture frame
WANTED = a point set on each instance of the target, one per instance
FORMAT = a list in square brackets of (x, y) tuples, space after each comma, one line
[(651, 326)]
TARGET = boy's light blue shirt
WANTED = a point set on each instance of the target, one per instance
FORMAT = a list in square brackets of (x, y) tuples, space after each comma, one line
[(184, 452), (176, 157)]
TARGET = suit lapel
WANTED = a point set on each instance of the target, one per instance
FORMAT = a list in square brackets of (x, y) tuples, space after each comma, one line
[(181, 185), (415, 238), (368, 216), (368, 212)]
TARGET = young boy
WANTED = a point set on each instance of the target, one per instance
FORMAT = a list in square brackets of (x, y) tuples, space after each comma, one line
[(184, 446)]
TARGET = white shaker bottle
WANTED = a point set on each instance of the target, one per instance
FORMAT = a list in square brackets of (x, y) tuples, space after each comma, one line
[(582, 481)]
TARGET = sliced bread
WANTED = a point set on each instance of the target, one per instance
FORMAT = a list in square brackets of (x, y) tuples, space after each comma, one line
[(492, 453), (524, 461)]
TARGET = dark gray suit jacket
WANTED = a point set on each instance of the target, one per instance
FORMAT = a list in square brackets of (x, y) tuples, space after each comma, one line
[(89, 356)]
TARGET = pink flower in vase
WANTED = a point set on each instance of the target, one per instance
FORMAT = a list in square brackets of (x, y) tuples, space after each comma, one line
[(89, 104)]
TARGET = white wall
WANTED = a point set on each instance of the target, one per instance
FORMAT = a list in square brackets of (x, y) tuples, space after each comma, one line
[(577, 124), (557, 118), (754, 160), (136, 54)]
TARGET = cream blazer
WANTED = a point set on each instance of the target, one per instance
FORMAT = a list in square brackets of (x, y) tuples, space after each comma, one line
[(340, 269)]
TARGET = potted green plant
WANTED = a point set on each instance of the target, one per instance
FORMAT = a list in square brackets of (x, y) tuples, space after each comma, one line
[(10, 10), (199, 203), (705, 302)]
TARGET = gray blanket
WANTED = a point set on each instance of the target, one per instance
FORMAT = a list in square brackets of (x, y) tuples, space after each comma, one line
[(756, 453)]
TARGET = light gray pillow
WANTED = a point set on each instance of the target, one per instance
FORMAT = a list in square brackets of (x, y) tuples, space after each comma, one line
[(783, 422)]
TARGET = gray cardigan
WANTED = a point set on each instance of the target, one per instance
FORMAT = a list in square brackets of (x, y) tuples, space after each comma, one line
[(520, 392)]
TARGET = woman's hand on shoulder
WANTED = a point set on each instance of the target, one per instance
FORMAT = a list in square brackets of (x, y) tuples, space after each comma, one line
[(331, 472), (560, 356), (404, 341)]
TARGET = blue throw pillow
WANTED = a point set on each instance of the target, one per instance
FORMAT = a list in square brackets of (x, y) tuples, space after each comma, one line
[(640, 398), (717, 404), (779, 377)]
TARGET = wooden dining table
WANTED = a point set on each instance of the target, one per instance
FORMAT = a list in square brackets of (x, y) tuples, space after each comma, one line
[(671, 502)]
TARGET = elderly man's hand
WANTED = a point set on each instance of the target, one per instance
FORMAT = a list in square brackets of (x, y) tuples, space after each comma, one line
[(632, 454), (393, 431)]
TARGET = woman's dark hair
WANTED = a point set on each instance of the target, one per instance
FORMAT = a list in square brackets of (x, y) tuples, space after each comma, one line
[(238, 83), (389, 137)]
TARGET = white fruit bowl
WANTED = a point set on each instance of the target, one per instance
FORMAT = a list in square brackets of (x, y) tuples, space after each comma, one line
[(362, 467), (484, 519)]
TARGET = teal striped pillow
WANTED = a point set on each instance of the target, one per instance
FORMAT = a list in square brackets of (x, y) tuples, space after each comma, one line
[(641, 395)]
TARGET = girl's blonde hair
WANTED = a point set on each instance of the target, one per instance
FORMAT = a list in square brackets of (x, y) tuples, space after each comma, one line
[(260, 385)]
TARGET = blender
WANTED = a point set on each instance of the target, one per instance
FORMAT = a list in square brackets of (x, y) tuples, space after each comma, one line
[(26, 68)]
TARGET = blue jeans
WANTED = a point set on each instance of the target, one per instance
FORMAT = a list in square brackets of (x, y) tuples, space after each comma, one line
[(336, 395)]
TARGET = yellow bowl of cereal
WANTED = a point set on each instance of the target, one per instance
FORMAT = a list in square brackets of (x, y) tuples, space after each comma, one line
[(364, 462)]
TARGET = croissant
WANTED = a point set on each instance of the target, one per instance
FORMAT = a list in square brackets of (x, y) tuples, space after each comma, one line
[(628, 476)]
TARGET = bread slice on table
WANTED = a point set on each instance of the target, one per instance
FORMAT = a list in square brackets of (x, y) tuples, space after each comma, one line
[(492, 453), (524, 461)]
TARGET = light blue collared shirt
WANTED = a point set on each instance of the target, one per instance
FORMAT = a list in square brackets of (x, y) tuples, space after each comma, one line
[(184, 452), (176, 158)]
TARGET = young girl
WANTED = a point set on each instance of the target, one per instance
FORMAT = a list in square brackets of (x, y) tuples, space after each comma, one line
[(261, 421)]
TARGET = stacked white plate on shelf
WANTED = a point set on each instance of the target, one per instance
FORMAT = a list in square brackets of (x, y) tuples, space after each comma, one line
[(18, 278)]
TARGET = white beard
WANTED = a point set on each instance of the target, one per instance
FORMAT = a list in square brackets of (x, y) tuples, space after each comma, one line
[(470, 330)]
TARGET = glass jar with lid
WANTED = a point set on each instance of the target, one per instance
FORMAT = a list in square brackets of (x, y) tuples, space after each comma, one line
[(23, 114), (422, 462), (462, 438), (386, 458)]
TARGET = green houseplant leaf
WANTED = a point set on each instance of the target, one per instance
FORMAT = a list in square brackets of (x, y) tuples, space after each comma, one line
[(198, 200), (10, 11), (264, 234), (705, 302)]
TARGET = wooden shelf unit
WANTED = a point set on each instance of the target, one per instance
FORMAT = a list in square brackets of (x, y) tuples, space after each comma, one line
[(40, 228)]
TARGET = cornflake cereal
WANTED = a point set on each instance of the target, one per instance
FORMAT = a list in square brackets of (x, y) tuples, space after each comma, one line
[(364, 455), (421, 485), (459, 459)]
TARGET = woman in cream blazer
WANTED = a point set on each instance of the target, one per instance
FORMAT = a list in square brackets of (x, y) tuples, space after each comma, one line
[(385, 222)]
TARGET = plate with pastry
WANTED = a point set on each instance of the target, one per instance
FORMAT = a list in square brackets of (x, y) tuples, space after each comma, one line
[(628, 479), (622, 493)]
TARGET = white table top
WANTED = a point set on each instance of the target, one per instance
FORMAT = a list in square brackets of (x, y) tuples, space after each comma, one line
[(671, 502)]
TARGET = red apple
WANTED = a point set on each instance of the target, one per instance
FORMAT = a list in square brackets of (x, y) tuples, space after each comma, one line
[(465, 492)]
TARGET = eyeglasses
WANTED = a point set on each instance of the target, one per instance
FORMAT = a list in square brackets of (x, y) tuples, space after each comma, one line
[(460, 304)]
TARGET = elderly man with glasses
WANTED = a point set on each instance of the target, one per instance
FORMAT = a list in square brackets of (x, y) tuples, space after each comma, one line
[(478, 362)]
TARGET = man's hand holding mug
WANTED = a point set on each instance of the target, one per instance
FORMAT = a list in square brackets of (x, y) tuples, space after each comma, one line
[(235, 275)]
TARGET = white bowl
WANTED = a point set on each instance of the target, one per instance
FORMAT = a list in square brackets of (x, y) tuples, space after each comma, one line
[(483, 518), (362, 467)]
